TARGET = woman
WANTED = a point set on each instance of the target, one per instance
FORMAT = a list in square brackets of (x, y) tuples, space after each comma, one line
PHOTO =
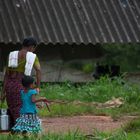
[(13, 77)]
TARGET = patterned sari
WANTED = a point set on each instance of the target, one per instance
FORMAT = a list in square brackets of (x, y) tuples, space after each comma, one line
[(12, 88)]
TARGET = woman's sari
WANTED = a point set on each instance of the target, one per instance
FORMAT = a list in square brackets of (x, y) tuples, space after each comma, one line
[(12, 88)]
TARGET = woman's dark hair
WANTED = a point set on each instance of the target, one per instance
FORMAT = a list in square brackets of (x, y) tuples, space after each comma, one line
[(29, 41), (27, 81)]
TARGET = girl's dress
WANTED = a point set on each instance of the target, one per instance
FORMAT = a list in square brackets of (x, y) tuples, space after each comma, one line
[(28, 120)]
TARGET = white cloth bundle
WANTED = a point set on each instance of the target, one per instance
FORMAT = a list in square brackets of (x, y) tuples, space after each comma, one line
[(30, 58), (13, 59)]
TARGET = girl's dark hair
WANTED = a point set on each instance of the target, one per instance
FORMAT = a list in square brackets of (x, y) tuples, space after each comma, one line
[(29, 41), (27, 81)]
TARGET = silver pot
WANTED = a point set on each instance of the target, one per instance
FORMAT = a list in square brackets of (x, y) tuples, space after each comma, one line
[(4, 120)]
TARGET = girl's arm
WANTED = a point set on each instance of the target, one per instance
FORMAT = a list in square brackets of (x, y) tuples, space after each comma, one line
[(34, 100), (38, 73)]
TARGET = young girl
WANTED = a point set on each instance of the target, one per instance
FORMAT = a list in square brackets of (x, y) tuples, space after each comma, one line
[(28, 120)]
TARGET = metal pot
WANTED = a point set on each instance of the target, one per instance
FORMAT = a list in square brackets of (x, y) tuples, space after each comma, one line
[(4, 120)]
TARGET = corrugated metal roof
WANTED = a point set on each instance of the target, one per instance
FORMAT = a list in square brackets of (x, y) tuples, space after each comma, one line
[(70, 21)]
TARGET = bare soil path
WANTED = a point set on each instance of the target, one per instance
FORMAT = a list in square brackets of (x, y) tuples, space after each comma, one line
[(85, 124)]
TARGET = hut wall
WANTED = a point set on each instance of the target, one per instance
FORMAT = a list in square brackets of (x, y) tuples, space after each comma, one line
[(55, 58)]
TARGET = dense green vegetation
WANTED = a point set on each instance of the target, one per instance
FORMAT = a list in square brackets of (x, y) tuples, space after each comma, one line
[(100, 91), (125, 55)]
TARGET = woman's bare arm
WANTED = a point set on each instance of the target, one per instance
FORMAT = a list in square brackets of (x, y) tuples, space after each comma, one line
[(38, 75)]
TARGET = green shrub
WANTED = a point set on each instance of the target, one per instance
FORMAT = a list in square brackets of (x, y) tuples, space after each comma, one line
[(132, 126)]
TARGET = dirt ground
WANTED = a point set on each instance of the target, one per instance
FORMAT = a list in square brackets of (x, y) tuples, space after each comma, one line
[(84, 124)]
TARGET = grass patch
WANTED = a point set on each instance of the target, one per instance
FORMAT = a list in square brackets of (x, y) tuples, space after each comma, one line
[(132, 126), (96, 135), (69, 136), (67, 110), (100, 91)]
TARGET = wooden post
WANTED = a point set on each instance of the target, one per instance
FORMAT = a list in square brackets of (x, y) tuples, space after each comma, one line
[(0, 58), (1, 69)]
